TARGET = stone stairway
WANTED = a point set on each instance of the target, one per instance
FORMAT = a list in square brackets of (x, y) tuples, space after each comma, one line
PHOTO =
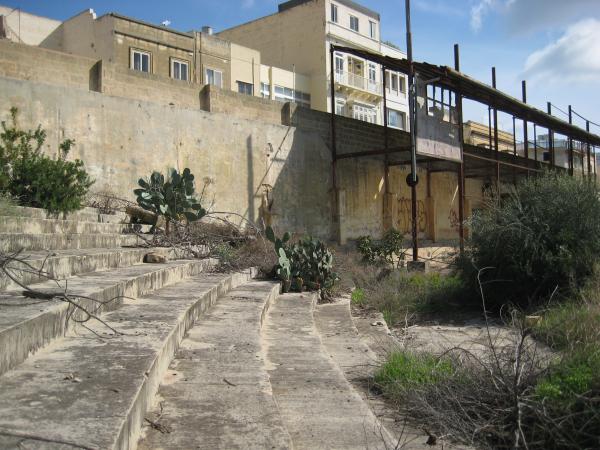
[(181, 357)]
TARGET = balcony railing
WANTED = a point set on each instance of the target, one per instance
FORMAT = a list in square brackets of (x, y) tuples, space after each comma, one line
[(359, 82)]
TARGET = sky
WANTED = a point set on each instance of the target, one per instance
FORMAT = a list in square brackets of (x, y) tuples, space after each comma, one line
[(553, 44)]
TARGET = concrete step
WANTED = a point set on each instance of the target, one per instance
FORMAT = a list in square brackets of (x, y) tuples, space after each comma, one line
[(12, 242), (216, 393), (351, 352), (27, 225), (93, 392), (27, 325), (319, 407), (86, 214), (39, 266)]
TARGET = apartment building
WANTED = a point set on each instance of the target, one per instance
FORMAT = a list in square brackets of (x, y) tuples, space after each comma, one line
[(478, 134), (157, 52), (298, 37), (24, 28)]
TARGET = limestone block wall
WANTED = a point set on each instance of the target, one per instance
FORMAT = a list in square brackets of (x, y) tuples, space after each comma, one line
[(122, 140), (250, 151)]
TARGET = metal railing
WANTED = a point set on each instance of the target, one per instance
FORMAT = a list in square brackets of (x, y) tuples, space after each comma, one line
[(358, 81)]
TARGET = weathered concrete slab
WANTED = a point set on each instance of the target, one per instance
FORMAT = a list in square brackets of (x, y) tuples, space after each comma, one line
[(93, 388), (216, 394), (28, 225), (345, 346), (29, 324), (67, 263), (319, 407), (12, 242), (86, 214)]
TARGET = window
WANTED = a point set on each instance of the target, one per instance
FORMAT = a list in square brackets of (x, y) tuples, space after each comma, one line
[(394, 85), (373, 29), (402, 84), (365, 113), (140, 60), (265, 90), (302, 99), (214, 77), (354, 23), (396, 119), (245, 88), (372, 73), (340, 107), (283, 94), (179, 69), (334, 13), (339, 67)]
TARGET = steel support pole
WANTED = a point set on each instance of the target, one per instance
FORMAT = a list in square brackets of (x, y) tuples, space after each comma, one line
[(461, 167), (571, 154), (386, 166), (551, 140), (525, 130), (496, 146), (514, 136), (535, 146), (335, 199), (589, 151), (413, 133)]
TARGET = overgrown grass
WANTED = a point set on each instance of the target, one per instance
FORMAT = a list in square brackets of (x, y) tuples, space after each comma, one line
[(358, 297), (403, 371), (403, 296)]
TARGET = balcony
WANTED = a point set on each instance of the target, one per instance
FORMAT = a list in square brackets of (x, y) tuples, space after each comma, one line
[(361, 86)]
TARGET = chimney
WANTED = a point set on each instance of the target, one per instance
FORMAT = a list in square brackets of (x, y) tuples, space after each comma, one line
[(207, 30)]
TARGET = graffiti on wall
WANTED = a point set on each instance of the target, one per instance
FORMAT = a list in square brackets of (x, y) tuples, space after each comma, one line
[(404, 219)]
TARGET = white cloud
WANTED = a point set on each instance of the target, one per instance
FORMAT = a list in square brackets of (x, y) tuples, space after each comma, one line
[(533, 15), (574, 57), (478, 11), (525, 16)]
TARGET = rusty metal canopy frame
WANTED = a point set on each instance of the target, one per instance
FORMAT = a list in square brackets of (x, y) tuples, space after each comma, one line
[(475, 90)]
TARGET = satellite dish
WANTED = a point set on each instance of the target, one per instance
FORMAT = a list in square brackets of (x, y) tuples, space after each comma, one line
[(166, 23)]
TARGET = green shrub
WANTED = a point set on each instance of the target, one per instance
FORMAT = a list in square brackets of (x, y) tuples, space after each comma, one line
[(33, 179), (542, 238), (388, 250)]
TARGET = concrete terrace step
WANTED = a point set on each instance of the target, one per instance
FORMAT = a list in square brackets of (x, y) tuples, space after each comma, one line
[(216, 394), (86, 214), (94, 392), (319, 407), (26, 325), (12, 242), (353, 355), (67, 263), (27, 225)]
